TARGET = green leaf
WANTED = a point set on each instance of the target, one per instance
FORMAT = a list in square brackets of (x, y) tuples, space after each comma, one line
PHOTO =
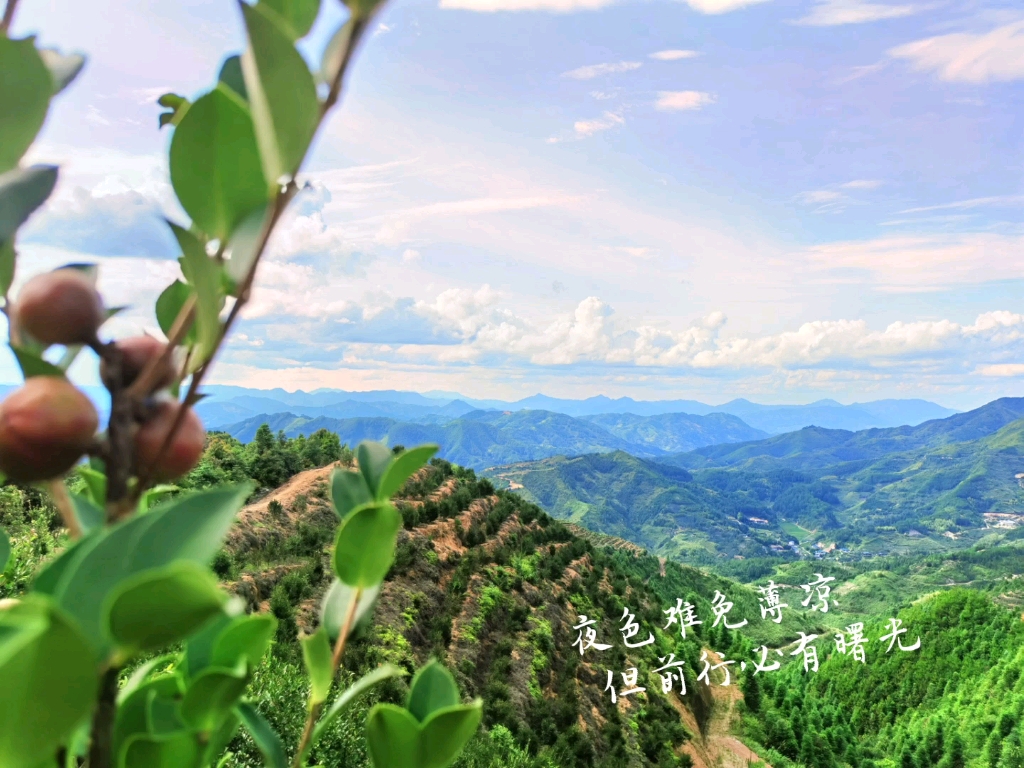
[(89, 516), (244, 245), (49, 576), (350, 694), (297, 15), (245, 639), (25, 90), (212, 696), (178, 105), (215, 163), (268, 742), (374, 459), (220, 738), (231, 75), (365, 546), (199, 647), (432, 689), (64, 68), (5, 550), (393, 736), (348, 491), (446, 732), (133, 707), (95, 484), (49, 680), (334, 53), (175, 750), (155, 495), (204, 275), (33, 364), (402, 468), (8, 258), (316, 653), (335, 606), (169, 305), (22, 190), (161, 606), (282, 94), (142, 674), (191, 528)]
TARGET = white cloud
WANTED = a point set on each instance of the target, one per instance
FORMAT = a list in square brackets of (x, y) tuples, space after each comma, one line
[(819, 196), (977, 202), (994, 56), (596, 70), (604, 95), (554, 6), (720, 6), (679, 101), (862, 184), (607, 121), (673, 55), (831, 13), (922, 262), (1002, 370)]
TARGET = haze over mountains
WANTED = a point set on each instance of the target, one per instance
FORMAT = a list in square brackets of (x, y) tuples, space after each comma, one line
[(484, 433)]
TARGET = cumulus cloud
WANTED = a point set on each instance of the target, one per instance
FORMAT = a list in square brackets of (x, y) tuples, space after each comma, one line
[(994, 56), (120, 224), (682, 101), (673, 55), (831, 13), (591, 71)]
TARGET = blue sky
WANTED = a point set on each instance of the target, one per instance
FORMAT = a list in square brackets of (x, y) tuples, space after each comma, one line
[(781, 200)]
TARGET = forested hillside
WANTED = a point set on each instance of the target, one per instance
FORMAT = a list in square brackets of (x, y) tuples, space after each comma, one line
[(944, 485), (491, 585), (480, 439)]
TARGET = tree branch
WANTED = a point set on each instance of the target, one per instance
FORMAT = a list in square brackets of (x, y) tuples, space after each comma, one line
[(8, 19), (339, 650)]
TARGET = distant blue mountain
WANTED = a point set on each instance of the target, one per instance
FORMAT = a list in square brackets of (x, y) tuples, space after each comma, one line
[(229, 405)]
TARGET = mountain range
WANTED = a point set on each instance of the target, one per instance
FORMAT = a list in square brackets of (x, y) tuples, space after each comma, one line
[(229, 405), (945, 484)]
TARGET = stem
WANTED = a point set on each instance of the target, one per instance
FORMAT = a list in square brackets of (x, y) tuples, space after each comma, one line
[(119, 432), (59, 492), (316, 709), (5, 23), (280, 202), (101, 750)]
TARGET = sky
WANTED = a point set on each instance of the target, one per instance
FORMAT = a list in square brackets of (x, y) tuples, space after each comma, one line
[(782, 200)]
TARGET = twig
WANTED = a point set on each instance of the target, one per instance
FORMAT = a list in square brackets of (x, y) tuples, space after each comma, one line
[(284, 196), (5, 23), (339, 650), (65, 506), (182, 324), (101, 748)]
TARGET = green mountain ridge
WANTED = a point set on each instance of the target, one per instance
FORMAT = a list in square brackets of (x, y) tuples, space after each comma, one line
[(942, 486), (482, 439)]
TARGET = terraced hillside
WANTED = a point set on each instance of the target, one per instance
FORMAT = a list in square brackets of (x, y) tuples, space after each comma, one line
[(492, 586)]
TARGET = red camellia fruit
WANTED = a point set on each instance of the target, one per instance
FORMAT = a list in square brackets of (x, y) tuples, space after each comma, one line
[(45, 427), (60, 307), (184, 451), (136, 352)]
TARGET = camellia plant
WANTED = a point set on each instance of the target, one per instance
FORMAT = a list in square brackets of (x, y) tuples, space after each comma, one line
[(133, 589)]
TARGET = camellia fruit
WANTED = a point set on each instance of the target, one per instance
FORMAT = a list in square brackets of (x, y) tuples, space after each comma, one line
[(136, 352), (184, 451), (45, 427), (59, 307)]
